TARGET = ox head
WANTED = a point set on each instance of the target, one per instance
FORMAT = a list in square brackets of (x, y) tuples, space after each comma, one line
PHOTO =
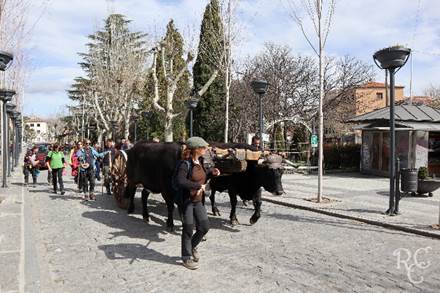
[(270, 172)]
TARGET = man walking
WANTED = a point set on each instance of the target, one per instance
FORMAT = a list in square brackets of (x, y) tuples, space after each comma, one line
[(87, 157), (107, 164)]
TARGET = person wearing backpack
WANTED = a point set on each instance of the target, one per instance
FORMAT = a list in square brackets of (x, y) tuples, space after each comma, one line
[(87, 157), (29, 167), (191, 178), (56, 163)]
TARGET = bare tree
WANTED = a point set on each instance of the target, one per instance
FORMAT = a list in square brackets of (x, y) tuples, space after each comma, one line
[(321, 18), (229, 8), (293, 90), (164, 55)]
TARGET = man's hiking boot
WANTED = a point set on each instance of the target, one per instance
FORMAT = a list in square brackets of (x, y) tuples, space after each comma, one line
[(190, 264), (92, 196), (196, 255), (85, 196)]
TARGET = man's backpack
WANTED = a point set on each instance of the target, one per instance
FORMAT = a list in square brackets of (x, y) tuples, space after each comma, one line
[(180, 198)]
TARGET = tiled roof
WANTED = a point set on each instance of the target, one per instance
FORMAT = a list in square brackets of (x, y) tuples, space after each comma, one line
[(35, 119), (420, 100), (375, 84), (414, 113)]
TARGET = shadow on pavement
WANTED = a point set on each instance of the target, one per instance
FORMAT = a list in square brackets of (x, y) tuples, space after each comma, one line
[(344, 224), (65, 197), (157, 210), (126, 226), (136, 251), (18, 183), (365, 211)]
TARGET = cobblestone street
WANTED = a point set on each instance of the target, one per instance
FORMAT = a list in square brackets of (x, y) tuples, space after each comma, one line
[(77, 246)]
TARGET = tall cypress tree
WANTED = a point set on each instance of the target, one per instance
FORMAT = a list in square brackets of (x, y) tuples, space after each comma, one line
[(209, 114)]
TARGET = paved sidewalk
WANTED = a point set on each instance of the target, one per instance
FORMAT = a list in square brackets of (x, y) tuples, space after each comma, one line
[(11, 236), (361, 197)]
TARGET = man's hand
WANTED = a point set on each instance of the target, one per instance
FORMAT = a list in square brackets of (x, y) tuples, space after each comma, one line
[(215, 172), (201, 190)]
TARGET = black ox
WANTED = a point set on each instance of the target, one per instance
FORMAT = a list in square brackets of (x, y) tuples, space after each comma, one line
[(153, 164), (248, 185)]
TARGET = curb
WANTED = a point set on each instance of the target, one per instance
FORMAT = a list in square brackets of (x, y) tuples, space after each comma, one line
[(367, 221)]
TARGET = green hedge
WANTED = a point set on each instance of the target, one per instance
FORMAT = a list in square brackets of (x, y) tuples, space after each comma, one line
[(342, 156)]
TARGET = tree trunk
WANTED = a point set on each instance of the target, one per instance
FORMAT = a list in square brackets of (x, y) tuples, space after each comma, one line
[(227, 108), (126, 126), (168, 133), (100, 136)]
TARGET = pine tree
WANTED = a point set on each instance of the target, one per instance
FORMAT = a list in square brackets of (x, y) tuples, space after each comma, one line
[(209, 114), (114, 67)]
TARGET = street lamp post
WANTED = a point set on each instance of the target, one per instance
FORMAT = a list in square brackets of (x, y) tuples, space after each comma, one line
[(147, 116), (260, 88), (392, 59), (10, 111), (5, 97), (114, 123), (20, 139), (17, 138), (14, 117), (191, 104)]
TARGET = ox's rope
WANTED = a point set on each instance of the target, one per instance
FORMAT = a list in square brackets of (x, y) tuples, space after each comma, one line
[(124, 154)]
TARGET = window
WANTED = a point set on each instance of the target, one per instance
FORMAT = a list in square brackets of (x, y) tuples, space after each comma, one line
[(32, 124), (38, 131), (379, 96), (38, 125)]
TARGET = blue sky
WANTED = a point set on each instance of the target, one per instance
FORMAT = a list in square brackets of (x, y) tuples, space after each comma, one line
[(359, 29)]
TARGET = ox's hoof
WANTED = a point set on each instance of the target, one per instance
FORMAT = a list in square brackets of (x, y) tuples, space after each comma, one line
[(235, 222), (170, 226), (254, 219), (216, 212), (146, 219)]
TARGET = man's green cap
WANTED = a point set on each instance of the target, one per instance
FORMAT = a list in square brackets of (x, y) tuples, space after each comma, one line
[(196, 142)]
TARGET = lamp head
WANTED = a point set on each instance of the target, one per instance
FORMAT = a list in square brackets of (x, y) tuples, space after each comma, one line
[(259, 86), (6, 95), (5, 60), (10, 108), (392, 57), (192, 103), (147, 115)]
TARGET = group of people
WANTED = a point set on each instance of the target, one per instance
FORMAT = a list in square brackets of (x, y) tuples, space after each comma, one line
[(87, 163)]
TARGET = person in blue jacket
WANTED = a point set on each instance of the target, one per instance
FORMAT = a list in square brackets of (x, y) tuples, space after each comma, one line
[(87, 157)]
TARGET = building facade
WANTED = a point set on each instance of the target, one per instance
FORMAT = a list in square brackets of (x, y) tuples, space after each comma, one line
[(41, 129), (359, 101), (373, 95)]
